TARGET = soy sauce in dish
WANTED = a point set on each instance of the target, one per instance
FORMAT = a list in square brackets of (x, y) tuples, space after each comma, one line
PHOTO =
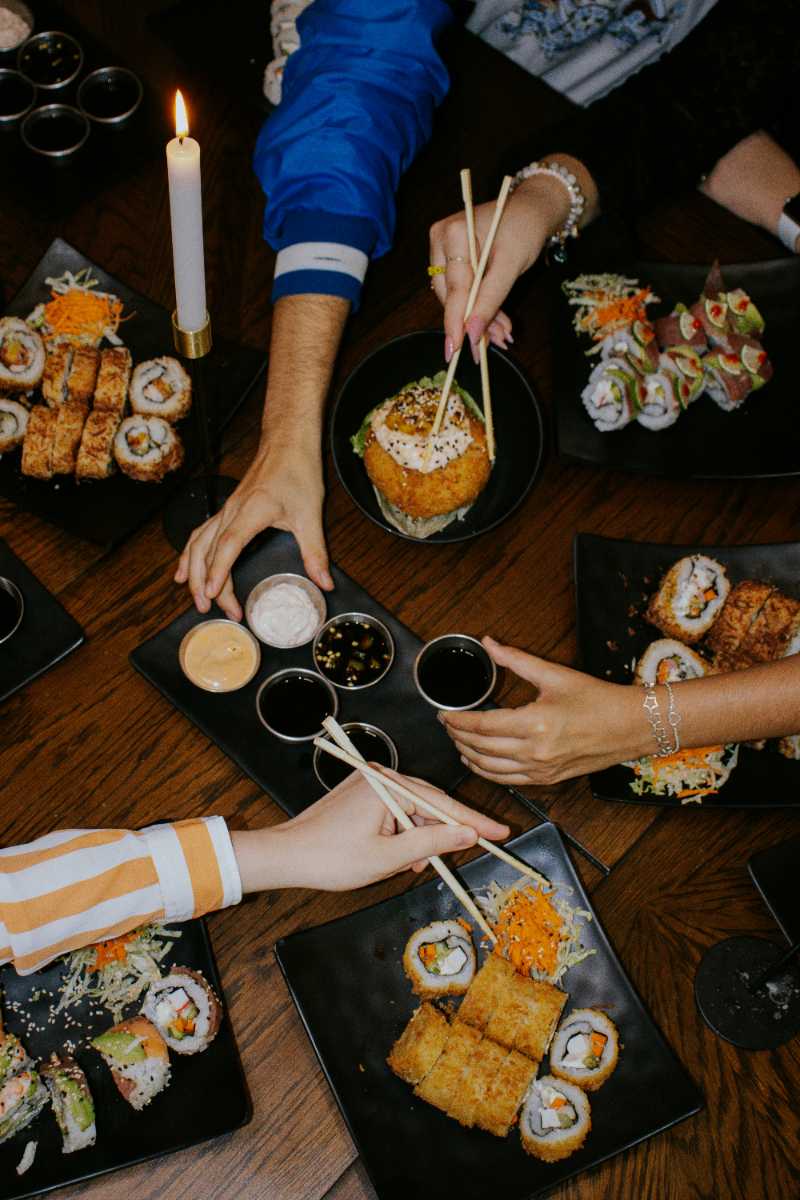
[(109, 97), (9, 613), (61, 131), (296, 705), (453, 675), (332, 770), (352, 653), (51, 60)]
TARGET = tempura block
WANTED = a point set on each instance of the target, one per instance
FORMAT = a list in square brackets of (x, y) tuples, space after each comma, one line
[(476, 1081), (441, 1085), (527, 1016), (111, 391), (82, 375), (70, 419), (56, 371), (420, 1044), (740, 610), (37, 448), (486, 991), (95, 459), (496, 1111)]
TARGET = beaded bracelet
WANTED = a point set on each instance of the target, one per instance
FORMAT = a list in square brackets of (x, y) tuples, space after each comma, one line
[(653, 713), (576, 206)]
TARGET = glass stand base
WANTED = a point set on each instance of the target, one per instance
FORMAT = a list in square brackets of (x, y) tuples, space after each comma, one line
[(759, 1020)]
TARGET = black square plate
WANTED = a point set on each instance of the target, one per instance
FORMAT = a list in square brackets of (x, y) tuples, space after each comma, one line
[(347, 981), (107, 511), (754, 442), (283, 770), (46, 633), (517, 421), (775, 873), (613, 579), (182, 1115)]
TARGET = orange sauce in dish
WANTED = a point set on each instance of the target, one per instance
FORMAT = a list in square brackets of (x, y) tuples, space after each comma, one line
[(219, 656)]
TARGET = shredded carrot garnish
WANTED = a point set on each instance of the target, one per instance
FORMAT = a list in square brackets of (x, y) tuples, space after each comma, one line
[(528, 931), (79, 313), (114, 950)]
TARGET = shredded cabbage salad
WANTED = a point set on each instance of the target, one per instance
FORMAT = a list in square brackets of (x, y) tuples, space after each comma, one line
[(118, 971), (537, 928)]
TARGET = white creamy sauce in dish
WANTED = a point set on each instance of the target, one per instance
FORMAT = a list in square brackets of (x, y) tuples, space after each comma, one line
[(285, 615), (410, 450)]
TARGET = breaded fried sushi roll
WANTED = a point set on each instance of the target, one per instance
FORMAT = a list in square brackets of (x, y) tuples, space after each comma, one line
[(442, 1083), (498, 1108), (82, 375), (161, 388), (486, 991), (585, 1049), (669, 661), (136, 1054), (146, 448), (111, 389), (527, 1015), (555, 1119), (422, 1041), (22, 356), (184, 1009), (13, 423), (689, 598), (741, 609), (440, 959), (71, 1100), (56, 374), (37, 447), (95, 457), (70, 419)]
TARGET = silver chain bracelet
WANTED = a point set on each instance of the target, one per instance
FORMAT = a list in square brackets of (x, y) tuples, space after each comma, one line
[(577, 201), (653, 713)]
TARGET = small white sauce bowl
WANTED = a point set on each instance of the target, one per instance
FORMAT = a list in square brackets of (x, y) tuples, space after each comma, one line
[(316, 597)]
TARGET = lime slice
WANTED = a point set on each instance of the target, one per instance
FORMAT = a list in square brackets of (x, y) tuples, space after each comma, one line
[(688, 325), (753, 358), (716, 311), (731, 364)]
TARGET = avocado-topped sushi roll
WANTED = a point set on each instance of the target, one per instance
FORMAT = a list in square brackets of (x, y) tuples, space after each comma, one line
[(72, 1102), (161, 388), (440, 959), (146, 448), (22, 1097), (56, 374), (136, 1054), (612, 395), (664, 394), (184, 1010), (37, 445), (111, 390), (82, 375), (555, 1119), (13, 1056), (22, 356), (727, 381), (637, 343), (669, 661), (680, 328), (585, 1049), (95, 457), (689, 598), (744, 315), (13, 423), (687, 364)]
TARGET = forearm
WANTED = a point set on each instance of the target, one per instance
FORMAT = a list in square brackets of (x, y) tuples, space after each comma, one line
[(264, 864), (754, 180)]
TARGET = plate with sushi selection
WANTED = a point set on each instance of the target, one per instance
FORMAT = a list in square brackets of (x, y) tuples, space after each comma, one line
[(284, 672), (108, 1056), (443, 488), (680, 370), (456, 1064), (649, 613), (95, 424)]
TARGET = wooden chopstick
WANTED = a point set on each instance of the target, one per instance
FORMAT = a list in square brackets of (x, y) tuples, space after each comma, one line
[(342, 752), (486, 394), (400, 815), (471, 298)]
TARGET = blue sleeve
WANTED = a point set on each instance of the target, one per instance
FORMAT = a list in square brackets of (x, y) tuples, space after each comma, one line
[(358, 101)]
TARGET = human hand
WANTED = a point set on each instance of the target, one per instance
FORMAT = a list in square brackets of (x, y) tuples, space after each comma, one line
[(349, 839), (282, 488), (575, 725)]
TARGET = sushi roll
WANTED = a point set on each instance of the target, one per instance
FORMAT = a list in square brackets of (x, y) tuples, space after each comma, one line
[(95, 456), (73, 1107), (486, 991), (22, 1097), (441, 1085), (82, 375), (161, 388), (687, 364), (113, 377), (56, 374), (136, 1054), (745, 317), (527, 1016), (680, 328), (22, 356), (770, 631), (585, 1049), (612, 395), (13, 1057), (727, 381), (689, 599), (146, 448), (13, 423), (507, 1079), (420, 1044), (37, 446), (637, 343), (664, 396), (184, 1010), (669, 661), (440, 959), (70, 419), (741, 608), (753, 358), (555, 1119)]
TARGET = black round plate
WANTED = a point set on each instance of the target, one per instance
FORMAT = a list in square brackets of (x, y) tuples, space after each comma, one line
[(517, 422), (760, 1020)]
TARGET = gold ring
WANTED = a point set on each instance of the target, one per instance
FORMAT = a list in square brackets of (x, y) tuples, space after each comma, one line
[(435, 269)]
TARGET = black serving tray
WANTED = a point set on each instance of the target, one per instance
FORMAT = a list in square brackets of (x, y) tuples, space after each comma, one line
[(284, 770), (207, 1095), (107, 511), (348, 983), (517, 421), (756, 441), (775, 872), (47, 633), (613, 579)]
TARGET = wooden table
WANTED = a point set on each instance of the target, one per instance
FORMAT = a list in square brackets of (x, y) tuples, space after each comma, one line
[(92, 743)]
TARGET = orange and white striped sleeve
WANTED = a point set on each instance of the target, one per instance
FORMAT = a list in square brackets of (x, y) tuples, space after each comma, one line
[(77, 886)]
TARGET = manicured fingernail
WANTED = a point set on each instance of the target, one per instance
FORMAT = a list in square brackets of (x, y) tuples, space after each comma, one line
[(448, 349), (509, 338), (464, 761)]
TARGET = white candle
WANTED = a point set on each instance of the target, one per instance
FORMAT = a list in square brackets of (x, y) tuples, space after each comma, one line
[(186, 216)]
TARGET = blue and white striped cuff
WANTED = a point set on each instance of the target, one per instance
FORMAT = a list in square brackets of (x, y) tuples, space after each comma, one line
[(327, 268)]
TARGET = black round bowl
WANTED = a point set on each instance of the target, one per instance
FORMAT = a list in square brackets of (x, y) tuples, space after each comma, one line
[(518, 427), (17, 96)]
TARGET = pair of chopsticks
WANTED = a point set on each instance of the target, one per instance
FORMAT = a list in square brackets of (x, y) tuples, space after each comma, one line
[(478, 271), (383, 787)]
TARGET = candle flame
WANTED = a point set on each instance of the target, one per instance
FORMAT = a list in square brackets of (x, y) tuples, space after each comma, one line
[(181, 119)]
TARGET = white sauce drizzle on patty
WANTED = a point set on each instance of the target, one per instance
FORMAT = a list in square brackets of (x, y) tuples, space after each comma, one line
[(410, 450)]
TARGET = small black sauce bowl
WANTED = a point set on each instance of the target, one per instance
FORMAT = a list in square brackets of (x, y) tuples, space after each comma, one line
[(46, 47), (349, 727), (287, 673), (340, 619), (456, 641), (108, 77), (11, 108), (13, 591), (49, 112)]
